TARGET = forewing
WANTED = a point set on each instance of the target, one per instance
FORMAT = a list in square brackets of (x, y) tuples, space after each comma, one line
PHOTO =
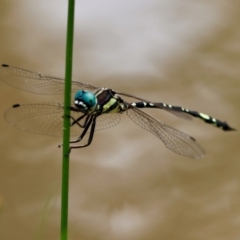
[(38, 83), (173, 139), (37, 118)]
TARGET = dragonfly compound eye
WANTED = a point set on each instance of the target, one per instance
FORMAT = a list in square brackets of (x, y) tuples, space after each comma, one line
[(86, 98)]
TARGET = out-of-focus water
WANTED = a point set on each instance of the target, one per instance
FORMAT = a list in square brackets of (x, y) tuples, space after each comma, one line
[(126, 185)]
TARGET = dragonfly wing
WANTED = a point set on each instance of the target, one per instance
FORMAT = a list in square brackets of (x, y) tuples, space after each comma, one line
[(103, 121), (179, 114), (107, 121), (173, 139), (40, 118), (47, 119), (38, 83)]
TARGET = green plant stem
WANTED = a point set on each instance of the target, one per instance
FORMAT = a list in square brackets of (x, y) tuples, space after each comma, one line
[(66, 124)]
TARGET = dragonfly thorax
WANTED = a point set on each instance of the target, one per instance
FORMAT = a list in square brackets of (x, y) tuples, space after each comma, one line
[(85, 100), (109, 101)]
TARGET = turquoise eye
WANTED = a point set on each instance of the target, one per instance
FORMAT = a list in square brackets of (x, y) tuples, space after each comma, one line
[(86, 97)]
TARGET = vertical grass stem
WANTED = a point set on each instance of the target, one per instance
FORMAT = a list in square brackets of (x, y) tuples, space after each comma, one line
[(66, 124)]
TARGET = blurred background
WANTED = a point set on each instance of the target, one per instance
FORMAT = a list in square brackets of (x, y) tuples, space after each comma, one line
[(126, 185)]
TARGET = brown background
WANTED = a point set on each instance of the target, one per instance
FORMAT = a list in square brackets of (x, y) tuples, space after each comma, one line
[(126, 185)]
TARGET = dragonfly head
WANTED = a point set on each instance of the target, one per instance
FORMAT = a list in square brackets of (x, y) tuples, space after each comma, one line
[(85, 100)]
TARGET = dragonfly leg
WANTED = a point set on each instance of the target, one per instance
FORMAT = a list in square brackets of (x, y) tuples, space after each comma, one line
[(92, 123), (88, 124), (85, 125), (76, 121)]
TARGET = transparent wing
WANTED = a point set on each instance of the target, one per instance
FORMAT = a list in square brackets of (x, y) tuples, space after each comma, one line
[(173, 139), (46, 119), (37, 82)]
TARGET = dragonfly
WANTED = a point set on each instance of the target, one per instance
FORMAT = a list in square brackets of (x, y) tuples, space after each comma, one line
[(95, 108)]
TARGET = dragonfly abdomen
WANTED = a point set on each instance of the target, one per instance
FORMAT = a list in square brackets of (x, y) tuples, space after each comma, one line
[(174, 109)]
